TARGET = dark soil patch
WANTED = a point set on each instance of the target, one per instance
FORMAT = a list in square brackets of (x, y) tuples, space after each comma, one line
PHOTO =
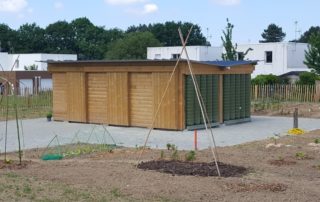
[(14, 165), (193, 168), (282, 162), (253, 187)]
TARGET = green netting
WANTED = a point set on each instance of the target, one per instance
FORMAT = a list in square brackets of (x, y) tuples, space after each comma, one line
[(98, 139)]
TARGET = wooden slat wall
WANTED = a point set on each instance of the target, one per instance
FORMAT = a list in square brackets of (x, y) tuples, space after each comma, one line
[(59, 96), (140, 99), (168, 114), (76, 96), (97, 97), (117, 99)]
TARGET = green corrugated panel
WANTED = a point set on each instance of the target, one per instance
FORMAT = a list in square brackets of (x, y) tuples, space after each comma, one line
[(189, 101), (209, 97), (208, 85), (248, 95), (242, 96), (237, 97), (216, 98), (232, 97), (226, 97), (197, 110)]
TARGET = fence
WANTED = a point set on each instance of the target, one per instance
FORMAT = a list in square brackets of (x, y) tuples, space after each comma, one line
[(286, 92), (29, 103)]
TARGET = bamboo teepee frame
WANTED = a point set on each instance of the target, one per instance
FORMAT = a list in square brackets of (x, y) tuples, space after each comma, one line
[(199, 98)]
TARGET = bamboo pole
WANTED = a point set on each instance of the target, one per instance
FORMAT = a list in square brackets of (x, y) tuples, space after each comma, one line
[(163, 96)]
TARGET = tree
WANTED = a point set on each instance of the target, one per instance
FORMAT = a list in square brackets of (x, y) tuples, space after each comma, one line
[(7, 38), (132, 46), (312, 55), (306, 36), (230, 49), (60, 38), (273, 34), (30, 39), (167, 33)]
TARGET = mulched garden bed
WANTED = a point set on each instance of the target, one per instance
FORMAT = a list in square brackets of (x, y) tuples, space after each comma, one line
[(193, 168)]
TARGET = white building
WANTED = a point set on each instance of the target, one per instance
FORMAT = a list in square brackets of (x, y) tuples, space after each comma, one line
[(274, 58), (18, 62), (198, 53), (30, 82)]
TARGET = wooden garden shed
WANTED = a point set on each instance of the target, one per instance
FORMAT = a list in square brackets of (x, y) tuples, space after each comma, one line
[(127, 93)]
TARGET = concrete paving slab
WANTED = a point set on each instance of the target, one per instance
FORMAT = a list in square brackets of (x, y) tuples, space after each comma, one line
[(38, 133)]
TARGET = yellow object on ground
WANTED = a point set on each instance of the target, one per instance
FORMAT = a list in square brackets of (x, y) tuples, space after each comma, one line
[(296, 131)]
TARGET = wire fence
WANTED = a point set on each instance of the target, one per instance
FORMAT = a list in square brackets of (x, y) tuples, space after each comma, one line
[(30, 103)]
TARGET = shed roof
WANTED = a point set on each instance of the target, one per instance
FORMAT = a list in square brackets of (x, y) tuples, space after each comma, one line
[(222, 64)]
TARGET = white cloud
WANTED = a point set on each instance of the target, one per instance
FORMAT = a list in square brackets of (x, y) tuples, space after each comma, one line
[(58, 5), (12, 5), (30, 10), (123, 2), (150, 8), (227, 2)]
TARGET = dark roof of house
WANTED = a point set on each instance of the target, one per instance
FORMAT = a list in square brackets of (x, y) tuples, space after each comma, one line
[(296, 73), (218, 63), (230, 63)]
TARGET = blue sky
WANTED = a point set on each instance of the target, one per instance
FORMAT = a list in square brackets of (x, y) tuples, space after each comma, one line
[(250, 17)]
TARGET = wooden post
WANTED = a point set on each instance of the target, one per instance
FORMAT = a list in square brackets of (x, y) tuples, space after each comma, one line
[(195, 140), (295, 118)]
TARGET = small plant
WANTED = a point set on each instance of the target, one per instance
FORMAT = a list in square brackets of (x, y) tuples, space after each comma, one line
[(162, 156), (115, 192), (301, 155), (49, 116), (280, 158), (168, 146), (317, 141), (191, 156), (175, 155)]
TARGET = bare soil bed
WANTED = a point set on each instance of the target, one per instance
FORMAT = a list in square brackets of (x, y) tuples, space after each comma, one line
[(307, 110), (287, 173)]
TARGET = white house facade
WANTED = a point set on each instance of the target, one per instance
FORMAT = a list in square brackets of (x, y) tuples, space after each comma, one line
[(18, 62), (30, 82), (197, 53), (274, 58)]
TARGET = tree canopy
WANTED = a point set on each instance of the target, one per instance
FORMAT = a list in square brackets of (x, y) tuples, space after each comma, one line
[(167, 33), (305, 37), (312, 55), (273, 33), (89, 41), (132, 46)]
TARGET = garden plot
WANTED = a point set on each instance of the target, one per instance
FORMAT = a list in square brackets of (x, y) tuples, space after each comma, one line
[(290, 172)]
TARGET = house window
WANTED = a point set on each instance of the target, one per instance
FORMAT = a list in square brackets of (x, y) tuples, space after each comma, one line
[(175, 56), (157, 56), (268, 56), (240, 55)]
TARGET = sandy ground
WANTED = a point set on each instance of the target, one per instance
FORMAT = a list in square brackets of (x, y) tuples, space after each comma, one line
[(287, 173)]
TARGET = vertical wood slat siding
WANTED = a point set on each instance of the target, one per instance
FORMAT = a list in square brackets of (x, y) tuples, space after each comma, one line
[(97, 97), (117, 99), (59, 96), (168, 114), (76, 96), (140, 99)]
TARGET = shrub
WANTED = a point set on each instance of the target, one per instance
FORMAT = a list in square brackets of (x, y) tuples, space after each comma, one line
[(267, 79), (307, 78), (191, 156)]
